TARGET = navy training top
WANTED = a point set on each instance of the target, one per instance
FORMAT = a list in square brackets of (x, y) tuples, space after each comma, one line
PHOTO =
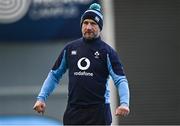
[(90, 62)]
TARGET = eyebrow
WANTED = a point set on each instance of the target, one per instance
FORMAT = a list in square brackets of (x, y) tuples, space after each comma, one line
[(92, 22)]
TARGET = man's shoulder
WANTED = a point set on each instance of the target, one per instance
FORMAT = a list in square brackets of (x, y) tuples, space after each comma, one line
[(107, 46), (75, 42)]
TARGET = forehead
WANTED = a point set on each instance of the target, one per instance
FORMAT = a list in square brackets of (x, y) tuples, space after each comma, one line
[(89, 20)]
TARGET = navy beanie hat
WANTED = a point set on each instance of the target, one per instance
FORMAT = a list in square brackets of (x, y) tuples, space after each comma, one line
[(94, 13)]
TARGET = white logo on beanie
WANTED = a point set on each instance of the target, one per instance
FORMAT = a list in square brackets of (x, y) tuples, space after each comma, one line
[(97, 19)]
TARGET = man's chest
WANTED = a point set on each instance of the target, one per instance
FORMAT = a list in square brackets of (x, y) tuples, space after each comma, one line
[(87, 59)]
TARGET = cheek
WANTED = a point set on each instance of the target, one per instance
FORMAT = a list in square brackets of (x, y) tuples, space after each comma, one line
[(96, 30), (82, 30)]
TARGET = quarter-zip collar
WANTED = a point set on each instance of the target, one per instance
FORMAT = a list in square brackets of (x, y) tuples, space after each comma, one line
[(92, 41)]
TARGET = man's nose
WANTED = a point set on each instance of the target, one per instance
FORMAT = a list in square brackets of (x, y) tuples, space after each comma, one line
[(89, 26)]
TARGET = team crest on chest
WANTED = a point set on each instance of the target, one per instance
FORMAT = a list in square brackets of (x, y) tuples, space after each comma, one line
[(96, 55)]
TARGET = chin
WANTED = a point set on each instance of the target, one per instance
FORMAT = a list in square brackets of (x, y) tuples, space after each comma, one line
[(88, 37)]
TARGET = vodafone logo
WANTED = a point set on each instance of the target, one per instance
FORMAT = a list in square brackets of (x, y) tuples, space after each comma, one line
[(83, 63)]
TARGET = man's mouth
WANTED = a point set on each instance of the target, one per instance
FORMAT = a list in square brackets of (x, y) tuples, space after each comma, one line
[(88, 32)]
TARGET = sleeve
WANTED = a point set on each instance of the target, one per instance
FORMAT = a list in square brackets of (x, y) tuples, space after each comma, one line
[(115, 69), (53, 77)]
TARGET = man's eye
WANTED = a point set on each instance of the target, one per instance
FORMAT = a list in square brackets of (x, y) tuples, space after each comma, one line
[(93, 23), (85, 23)]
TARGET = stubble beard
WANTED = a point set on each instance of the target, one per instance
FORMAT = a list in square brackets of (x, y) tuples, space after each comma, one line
[(90, 35)]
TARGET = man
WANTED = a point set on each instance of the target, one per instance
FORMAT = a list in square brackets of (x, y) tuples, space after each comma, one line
[(90, 61)]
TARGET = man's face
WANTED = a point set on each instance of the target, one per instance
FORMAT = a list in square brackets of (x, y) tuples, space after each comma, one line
[(90, 29)]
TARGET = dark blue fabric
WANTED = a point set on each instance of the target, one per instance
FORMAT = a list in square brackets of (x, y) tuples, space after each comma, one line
[(89, 63), (89, 86), (99, 114)]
